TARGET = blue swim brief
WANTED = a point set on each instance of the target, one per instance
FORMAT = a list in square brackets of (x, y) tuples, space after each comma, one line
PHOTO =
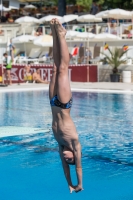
[(55, 102)]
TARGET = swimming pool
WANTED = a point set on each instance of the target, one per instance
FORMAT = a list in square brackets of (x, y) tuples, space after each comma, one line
[(30, 166)]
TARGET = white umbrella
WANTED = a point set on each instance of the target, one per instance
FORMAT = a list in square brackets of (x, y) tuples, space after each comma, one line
[(71, 34), (44, 41), (106, 37), (27, 19), (85, 35), (119, 14), (38, 14), (23, 38), (49, 18), (68, 18), (13, 8), (30, 7), (102, 14), (89, 18), (2, 8)]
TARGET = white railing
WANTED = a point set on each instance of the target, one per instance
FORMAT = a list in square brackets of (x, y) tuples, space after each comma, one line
[(120, 29)]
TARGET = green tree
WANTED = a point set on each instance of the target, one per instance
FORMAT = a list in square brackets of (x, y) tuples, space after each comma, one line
[(127, 4), (105, 4), (85, 3)]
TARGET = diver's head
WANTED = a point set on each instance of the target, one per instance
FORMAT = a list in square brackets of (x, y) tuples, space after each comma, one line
[(68, 156)]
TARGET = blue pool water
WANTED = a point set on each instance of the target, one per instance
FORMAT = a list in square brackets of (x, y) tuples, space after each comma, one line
[(30, 168)]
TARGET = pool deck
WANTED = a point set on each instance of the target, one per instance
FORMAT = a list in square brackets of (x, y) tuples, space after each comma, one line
[(75, 86)]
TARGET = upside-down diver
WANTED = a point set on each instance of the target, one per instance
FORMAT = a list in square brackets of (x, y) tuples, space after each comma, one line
[(60, 96)]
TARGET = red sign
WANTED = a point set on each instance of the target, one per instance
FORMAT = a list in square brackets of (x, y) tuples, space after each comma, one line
[(77, 73)]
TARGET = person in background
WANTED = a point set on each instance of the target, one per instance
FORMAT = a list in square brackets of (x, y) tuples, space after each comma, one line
[(11, 49), (113, 21), (113, 28), (27, 73), (37, 78), (7, 15), (3, 19), (93, 29), (88, 55), (39, 32), (81, 53), (94, 8), (7, 60)]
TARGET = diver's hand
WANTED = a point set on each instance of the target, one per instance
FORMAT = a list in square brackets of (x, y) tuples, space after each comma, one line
[(72, 188), (78, 188)]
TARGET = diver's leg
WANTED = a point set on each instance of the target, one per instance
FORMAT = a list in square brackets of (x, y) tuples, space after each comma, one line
[(56, 57), (63, 83)]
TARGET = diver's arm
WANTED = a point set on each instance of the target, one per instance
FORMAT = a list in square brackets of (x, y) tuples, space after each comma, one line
[(65, 167), (77, 156)]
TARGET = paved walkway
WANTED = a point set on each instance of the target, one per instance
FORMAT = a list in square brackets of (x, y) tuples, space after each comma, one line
[(76, 86)]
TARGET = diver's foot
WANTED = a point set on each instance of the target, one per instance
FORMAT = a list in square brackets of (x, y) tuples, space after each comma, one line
[(61, 31)]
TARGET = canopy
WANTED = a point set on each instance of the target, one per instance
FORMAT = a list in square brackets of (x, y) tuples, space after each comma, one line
[(116, 14), (13, 8), (85, 35), (49, 18), (88, 18), (71, 34), (106, 36), (23, 38), (2, 8), (68, 18), (102, 14), (44, 41), (27, 19), (30, 7)]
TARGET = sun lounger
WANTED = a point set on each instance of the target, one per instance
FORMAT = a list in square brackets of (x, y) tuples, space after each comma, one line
[(33, 56), (96, 54)]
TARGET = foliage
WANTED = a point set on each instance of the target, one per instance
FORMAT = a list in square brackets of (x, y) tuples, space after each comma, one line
[(85, 3), (72, 2), (105, 4), (110, 4), (116, 58), (100, 2), (55, 2)]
